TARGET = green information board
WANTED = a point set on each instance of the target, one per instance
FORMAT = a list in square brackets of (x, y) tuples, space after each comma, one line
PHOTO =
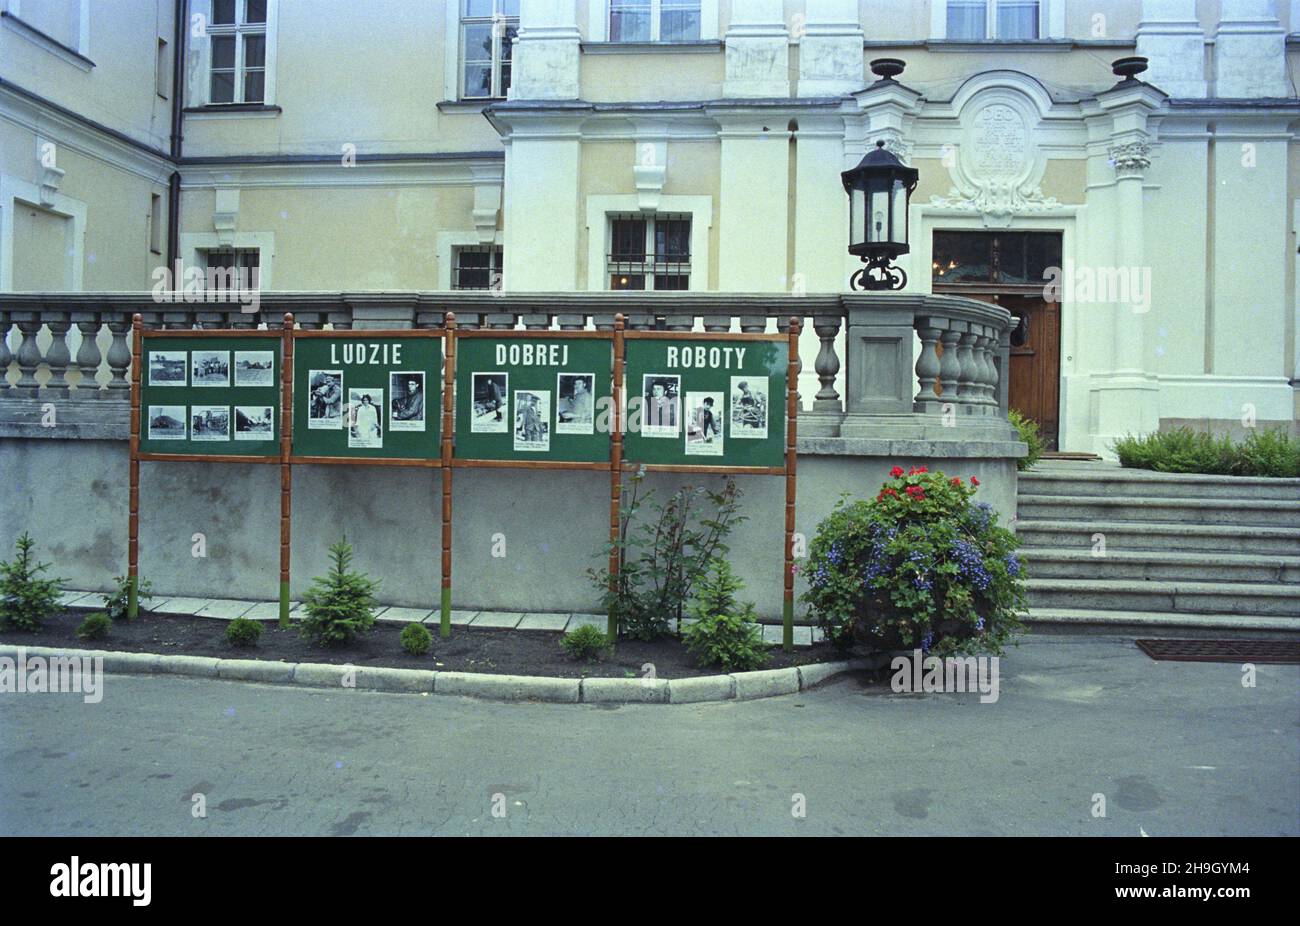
[(211, 396), (359, 396), (705, 401), (531, 397)]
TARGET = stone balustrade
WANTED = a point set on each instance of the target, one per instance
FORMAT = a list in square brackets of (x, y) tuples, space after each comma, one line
[(887, 365)]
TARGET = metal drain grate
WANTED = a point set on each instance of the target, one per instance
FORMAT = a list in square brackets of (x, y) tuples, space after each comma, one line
[(1260, 651)]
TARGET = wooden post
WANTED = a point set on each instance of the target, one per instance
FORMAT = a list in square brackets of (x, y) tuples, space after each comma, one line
[(286, 470), (133, 529), (448, 384), (615, 475), (791, 435)]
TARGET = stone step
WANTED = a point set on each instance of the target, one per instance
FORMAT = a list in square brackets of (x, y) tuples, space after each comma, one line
[(1160, 623), (1090, 508), (1166, 597), (1108, 480), (1076, 563), (1123, 536)]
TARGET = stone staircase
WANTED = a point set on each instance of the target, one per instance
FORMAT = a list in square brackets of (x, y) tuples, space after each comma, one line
[(1123, 547)]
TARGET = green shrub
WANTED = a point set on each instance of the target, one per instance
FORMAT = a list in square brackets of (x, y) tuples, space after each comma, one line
[(585, 642), (725, 633), (243, 631), (1182, 450), (94, 626), (1027, 429), (662, 556), (340, 604), (115, 602), (416, 639), (920, 566), (26, 599)]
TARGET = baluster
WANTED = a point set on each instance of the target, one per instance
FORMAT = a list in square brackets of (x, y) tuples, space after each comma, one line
[(988, 372), (967, 381), (501, 321), (309, 321), (753, 324), (210, 321), (535, 322), (471, 320), (6, 355), (717, 323), (28, 354), (783, 326), (571, 322), (88, 354), (339, 320), (242, 321), (119, 358), (679, 322), (827, 364), (949, 365), (603, 322), (927, 366)]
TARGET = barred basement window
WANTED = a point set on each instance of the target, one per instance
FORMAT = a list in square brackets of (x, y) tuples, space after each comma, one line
[(476, 268), (649, 252), (232, 268)]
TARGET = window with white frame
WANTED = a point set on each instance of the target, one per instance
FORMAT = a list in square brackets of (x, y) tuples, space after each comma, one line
[(238, 36), (476, 267), (487, 31), (974, 20), (234, 269), (654, 20), (649, 252)]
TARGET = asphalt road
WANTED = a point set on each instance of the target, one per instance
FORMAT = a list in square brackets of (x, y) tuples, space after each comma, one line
[(1175, 748)]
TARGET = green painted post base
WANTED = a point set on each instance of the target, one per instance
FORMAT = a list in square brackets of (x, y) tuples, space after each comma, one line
[(611, 629), (787, 628), (284, 604), (132, 598), (444, 623)]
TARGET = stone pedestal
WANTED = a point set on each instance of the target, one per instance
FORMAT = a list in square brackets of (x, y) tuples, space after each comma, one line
[(1171, 38), (757, 51), (1250, 51)]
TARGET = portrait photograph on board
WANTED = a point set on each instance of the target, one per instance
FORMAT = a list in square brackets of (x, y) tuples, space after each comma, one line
[(254, 368), (365, 418), (166, 422), (254, 422), (406, 401), (533, 419), (167, 367), (325, 400), (209, 422), (749, 407), (659, 408), (575, 411), (704, 423), (210, 368), (490, 414)]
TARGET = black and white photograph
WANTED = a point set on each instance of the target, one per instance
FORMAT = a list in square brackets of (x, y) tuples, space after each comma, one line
[(704, 417), (324, 400), (406, 401), (659, 409), (533, 419), (749, 407), (210, 368), (167, 367), (575, 411), (254, 368), (167, 422), (254, 422), (365, 418), (490, 415), (209, 422)]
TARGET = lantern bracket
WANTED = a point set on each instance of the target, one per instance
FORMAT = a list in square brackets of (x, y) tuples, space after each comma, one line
[(878, 273)]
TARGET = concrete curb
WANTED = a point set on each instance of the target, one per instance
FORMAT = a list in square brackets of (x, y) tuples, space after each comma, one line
[(738, 686)]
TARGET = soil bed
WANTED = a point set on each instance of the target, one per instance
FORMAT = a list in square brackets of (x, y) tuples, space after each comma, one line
[(499, 652)]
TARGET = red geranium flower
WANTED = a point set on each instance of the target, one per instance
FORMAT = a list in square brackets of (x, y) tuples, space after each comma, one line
[(896, 471), (974, 481), (955, 480)]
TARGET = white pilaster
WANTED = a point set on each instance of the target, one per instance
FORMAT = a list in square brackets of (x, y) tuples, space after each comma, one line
[(1250, 51), (752, 226), (757, 51), (830, 49), (1171, 37), (546, 53)]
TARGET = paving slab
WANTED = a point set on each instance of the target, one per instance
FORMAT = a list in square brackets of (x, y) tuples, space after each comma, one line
[(68, 596), (600, 621), (181, 605), (269, 610), (404, 615), (225, 609), (504, 619), (543, 622), (458, 618)]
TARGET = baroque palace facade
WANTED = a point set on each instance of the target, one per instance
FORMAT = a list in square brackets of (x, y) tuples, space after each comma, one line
[(568, 147)]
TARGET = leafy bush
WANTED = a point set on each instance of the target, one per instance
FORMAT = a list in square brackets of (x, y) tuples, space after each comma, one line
[(918, 566), (585, 642), (340, 604), (116, 601), (725, 632), (243, 631), (94, 626), (416, 639), (26, 599), (662, 557), (1027, 429), (1181, 450)]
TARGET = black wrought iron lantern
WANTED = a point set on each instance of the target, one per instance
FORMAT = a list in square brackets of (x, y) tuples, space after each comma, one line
[(879, 189)]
